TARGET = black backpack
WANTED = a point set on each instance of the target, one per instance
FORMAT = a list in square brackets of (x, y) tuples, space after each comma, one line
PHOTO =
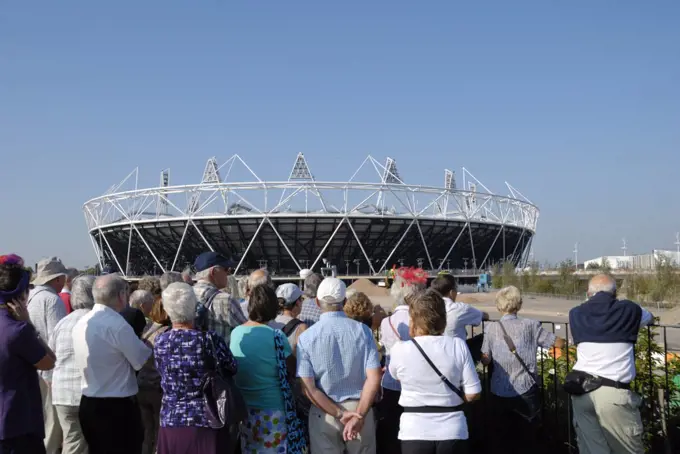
[(202, 310), (291, 326)]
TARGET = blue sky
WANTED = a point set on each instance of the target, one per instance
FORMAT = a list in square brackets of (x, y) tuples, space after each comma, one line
[(577, 104)]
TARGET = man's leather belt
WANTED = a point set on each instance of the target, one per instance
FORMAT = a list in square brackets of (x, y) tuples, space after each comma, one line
[(614, 384)]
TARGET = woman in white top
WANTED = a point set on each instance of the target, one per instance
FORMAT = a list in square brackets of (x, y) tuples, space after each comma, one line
[(433, 421), (290, 304)]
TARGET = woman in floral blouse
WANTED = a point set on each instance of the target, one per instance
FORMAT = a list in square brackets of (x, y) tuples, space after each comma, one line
[(182, 357)]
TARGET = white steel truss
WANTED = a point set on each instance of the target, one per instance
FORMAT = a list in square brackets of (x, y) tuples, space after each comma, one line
[(389, 197)]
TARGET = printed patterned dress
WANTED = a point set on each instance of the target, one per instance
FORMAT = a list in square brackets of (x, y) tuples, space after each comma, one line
[(181, 362)]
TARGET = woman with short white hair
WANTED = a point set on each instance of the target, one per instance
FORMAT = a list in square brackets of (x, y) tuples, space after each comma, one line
[(183, 357), (510, 347)]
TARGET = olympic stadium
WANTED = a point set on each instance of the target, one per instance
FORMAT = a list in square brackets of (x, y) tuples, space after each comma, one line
[(361, 226)]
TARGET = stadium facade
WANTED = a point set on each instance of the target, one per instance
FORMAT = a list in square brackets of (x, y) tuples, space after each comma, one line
[(362, 226)]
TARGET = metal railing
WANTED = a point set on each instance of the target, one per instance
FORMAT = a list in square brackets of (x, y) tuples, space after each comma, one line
[(657, 382)]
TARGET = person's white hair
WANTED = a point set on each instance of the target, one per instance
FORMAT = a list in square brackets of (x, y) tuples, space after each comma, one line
[(203, 275), (107, 289), (602, 283), (140, 297), (179, 302), (242, 286), (402, 289), (81, 293), (509, 300), (260, 277), (169, 277)]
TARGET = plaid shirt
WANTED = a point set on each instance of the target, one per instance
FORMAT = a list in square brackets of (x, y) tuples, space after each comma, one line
[(509, 379), (310, 312), (336, 352), (66, 378), (225, 313), (45, 309)]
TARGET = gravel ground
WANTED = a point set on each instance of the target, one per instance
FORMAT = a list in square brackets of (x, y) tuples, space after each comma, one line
[(555, 312)]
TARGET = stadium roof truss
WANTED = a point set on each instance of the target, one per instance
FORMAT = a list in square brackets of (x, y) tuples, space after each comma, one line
[(353, 206)]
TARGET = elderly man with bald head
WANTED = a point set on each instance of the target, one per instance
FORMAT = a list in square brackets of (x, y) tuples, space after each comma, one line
[(257, 277), (107, 353), (606, 410)]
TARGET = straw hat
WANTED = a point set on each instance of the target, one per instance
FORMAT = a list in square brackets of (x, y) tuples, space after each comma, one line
[(49, 269)]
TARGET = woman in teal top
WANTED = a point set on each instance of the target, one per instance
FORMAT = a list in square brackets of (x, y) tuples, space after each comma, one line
[(263, 356)]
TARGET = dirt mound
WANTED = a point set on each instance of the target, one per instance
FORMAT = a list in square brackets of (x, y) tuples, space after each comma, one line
[(369, 288), (472, 298)]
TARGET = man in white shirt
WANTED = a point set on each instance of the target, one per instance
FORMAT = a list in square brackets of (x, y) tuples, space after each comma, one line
[(605, 330), (460, 315), (108, 353)]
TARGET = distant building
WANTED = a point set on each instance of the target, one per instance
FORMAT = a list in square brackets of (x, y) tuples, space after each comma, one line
[(633, 262)]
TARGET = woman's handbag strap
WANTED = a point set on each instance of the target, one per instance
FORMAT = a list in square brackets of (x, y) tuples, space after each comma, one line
[(453, 388)]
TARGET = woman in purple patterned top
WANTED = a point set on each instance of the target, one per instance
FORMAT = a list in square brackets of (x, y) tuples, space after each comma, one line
[(181, 355)]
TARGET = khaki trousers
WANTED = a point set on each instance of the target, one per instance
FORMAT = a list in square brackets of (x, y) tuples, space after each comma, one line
[(607, 421), (325, 433), (53, 434), (74, 440)]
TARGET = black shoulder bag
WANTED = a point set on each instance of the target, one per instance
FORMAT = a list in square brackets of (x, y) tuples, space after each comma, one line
[(224, 405), (443, 378)]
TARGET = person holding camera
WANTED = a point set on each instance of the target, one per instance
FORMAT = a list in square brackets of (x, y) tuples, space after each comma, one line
[(22, 354)]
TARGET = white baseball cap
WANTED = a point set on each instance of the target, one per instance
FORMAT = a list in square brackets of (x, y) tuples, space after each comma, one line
[(289, 292), (331, 291), (304, 273)]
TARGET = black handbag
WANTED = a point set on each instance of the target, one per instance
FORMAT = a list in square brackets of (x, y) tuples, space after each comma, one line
[(224, 404)]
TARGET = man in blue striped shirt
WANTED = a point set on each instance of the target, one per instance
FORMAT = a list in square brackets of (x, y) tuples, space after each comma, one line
[(339, 366)]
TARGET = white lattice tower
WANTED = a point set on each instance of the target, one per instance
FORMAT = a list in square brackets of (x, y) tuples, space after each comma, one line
[(211, 174), (162, 206), (391, 174), (300, 170)]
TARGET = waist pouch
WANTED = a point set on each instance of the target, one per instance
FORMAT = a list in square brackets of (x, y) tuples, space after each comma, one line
[(578, 383)]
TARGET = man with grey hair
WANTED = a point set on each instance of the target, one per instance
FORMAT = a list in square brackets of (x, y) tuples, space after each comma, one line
[(186, 276), (605, 331), (257, 277), (310, 312), (142, 300), (168, 278), (107, 353), (217, 310), (340, 370), (66, 378)]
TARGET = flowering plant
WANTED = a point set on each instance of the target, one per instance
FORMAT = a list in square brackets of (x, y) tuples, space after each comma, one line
[(411, 275)]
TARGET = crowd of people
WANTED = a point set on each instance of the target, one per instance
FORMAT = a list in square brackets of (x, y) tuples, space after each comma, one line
[(177, 365)]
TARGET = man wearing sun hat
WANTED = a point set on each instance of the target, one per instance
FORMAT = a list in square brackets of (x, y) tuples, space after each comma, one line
[(217, 310), (45, 310), (340, 369)]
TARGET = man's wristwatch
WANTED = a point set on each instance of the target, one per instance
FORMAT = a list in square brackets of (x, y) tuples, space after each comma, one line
[(339, 414)]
